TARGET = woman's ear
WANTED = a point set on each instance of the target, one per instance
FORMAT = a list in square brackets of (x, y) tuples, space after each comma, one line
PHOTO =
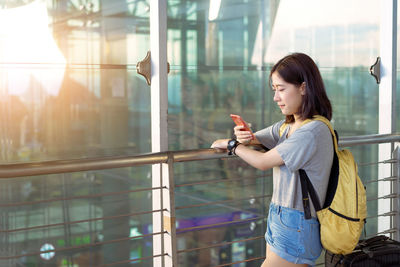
[(303, 88)]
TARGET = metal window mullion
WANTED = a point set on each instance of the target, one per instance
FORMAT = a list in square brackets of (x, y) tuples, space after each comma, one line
[(387, 90), (159, 108)]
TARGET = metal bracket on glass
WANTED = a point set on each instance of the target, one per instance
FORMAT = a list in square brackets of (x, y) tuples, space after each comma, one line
[(144, 68), (375, 70)]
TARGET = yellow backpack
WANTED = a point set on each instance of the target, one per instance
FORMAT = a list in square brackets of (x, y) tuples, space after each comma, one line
[(343, 214)]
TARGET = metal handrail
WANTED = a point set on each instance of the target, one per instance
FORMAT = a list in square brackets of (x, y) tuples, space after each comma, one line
[(91, 164), (347, 141)]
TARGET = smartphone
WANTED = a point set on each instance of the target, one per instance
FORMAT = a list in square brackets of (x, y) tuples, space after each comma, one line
[(240, 122)]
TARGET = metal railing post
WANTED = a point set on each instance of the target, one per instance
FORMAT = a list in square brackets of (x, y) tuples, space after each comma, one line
[(169, 217), (157, 222), (396, 190), (387, 100), (159, 111)]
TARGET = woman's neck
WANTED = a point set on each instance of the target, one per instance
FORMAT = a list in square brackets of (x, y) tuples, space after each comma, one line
[(297, 119)]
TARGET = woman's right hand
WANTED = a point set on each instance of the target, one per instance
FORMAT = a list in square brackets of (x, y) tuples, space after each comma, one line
[(243, 137)]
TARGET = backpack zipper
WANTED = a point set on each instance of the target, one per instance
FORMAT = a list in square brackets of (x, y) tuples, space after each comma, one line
[(343, 216)]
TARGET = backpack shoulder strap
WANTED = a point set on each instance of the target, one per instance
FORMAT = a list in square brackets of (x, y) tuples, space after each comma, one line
[(285, 125), (333, 132), (308, 189)]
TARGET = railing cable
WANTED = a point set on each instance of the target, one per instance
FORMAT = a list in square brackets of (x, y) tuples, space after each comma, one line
[(81, 246)]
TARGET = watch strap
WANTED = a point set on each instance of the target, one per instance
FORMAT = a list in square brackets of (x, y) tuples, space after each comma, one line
[(232, 144)]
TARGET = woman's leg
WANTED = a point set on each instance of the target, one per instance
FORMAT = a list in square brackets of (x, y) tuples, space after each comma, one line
[(273, 260), (264, 264)]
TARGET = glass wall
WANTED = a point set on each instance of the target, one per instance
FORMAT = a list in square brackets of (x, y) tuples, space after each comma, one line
[(69, 89), (221, 53), (87, 218), (69, 86), (220, 64)]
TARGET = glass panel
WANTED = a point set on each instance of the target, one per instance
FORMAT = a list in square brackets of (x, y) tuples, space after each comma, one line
[(69, 89), (68, 81), (218, 67), (221, 53), (90, 218), (216, 205), (398, 74)]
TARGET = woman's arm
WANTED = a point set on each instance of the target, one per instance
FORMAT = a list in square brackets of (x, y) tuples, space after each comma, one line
[(260, 160)]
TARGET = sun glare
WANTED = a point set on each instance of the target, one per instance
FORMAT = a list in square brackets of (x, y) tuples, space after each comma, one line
[(28, 50), (215, 5)]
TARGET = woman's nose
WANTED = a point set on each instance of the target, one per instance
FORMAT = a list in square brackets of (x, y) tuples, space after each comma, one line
[(276, 96)]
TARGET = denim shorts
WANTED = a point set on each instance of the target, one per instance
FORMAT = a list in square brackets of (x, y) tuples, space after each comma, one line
[(292, 237)]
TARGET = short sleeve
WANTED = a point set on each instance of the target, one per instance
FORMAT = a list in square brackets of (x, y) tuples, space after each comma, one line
[(269, 136), (297, 150)]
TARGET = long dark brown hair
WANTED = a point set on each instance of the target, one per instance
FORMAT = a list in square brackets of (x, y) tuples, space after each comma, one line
[(297, 68)]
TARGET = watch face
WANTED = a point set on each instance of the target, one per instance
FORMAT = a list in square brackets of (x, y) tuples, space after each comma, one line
[(231, 142)]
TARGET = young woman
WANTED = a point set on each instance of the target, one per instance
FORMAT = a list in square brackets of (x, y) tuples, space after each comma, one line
[(300, 94)]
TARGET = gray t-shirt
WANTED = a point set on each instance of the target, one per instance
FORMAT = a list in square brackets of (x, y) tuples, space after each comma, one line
[(309, 148)]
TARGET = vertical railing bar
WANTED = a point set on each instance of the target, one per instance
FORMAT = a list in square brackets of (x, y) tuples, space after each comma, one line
[(172, 209), (387, 89), (396, 190), (162, 216)]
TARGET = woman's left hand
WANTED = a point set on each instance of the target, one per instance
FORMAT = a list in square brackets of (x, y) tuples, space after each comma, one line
[(220, 143)]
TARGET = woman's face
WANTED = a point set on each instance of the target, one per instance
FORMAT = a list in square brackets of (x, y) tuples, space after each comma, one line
[(288, 96)]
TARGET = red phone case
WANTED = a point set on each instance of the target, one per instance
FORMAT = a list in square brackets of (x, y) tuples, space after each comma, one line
[(240, 122)]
